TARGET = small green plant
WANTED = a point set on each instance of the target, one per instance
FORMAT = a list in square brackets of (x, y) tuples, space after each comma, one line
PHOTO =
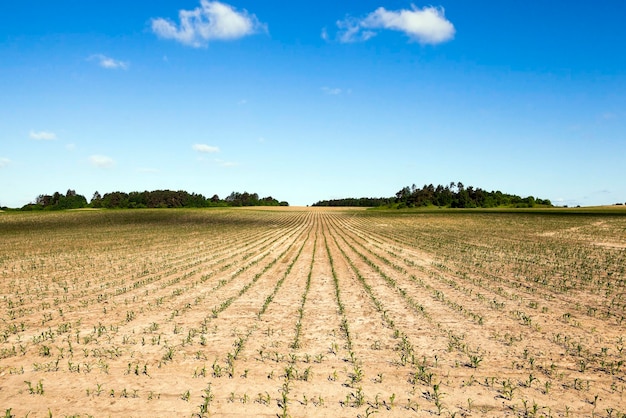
[(357, 375), (437, 396), (306, 375), (169, 354), (358, 396), (507, 389), (475, 360), (546, 387), (264, 398), (207, 398), (35, 390), (217, 369), (44, 351), (185, 396)]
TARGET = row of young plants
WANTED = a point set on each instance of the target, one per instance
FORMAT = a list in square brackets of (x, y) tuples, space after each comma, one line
[(164, 332), (112, 333), (103, 295), (238, 344), (227, 368), (130, 315), (522, 316), (355, 397), (292, 372), (423, 373), (293, 368), (420, 373), (487, 301)]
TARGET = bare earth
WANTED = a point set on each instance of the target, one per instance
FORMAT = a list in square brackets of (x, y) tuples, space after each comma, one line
[(311, 312)]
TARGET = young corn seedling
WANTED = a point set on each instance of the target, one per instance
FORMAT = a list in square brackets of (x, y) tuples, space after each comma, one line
[(37, 389), (507, 389), (437, 396), (207, 398), (530, 380), (264, 398), (475, 360)]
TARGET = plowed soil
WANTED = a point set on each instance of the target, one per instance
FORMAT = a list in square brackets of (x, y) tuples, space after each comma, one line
[(312, 312)]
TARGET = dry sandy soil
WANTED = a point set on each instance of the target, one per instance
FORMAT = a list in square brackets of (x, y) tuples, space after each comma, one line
[(311, 312)]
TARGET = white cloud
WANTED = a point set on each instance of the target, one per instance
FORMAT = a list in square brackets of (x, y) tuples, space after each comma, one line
[(43, 136), (70, 147), (4, 162), (332, 91), (101, 161), (350, 30), (427, 26), (211, 21), (108, 62), (205, 148)]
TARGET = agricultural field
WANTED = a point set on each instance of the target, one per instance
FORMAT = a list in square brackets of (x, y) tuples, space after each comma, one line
[(312, 312)]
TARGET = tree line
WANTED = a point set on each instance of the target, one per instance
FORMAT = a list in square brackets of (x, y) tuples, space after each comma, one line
[(356, 202), (147, 199), (454, 195)]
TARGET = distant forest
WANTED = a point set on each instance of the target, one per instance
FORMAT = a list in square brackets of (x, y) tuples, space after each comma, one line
[(454, 195), (153, 199)]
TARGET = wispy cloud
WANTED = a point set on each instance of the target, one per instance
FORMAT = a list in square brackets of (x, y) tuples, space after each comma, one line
[(324, 34), (332, 91), (101, 161), (222, 163), (108, 62), (204, 148), (427, 26), (4, 162), (211, 21), (43, 136), (352, 30)]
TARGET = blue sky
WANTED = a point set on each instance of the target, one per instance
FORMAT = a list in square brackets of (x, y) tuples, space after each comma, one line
[(307, 101)]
